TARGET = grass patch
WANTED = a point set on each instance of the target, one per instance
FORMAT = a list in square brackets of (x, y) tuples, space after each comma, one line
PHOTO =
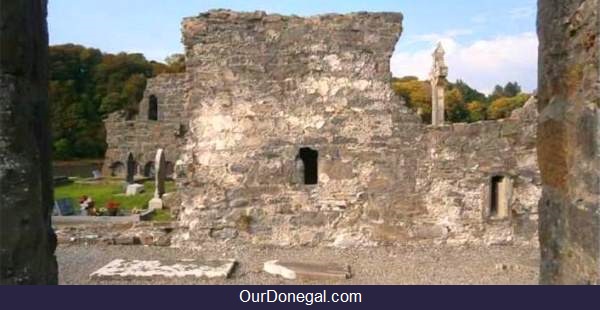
[(103, 192), (161, 216)]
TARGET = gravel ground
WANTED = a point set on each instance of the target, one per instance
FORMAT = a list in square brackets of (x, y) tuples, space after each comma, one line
[(433, 264)]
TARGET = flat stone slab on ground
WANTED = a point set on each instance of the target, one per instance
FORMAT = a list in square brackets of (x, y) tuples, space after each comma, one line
[(81, 220), (120, 269), (307, 271)]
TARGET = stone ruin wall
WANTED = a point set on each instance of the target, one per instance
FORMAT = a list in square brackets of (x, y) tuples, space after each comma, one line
[(261, 87), (141, 136), (569, 140), (455, 173), (27, 241)]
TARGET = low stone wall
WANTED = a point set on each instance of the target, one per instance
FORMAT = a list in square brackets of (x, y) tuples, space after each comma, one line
[(456, 179)]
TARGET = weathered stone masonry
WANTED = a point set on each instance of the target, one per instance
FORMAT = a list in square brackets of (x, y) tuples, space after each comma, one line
[(27, 241), (568, 142), (159, 124), (278, 103)]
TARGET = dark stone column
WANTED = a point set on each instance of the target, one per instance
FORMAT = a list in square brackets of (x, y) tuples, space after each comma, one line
[(27, 242), (568, 141)]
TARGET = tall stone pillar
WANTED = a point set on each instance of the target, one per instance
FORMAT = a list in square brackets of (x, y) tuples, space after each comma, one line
[(159, 180), (569, 140), (438, 75), (160, 173), (27, 242)]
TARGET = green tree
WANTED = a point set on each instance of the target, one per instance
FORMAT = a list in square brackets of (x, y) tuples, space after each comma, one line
[(456, 110), (512, 89), (417, 95), (85, 86), (503, 107), (469, 94), (176, 63), (477, 111)]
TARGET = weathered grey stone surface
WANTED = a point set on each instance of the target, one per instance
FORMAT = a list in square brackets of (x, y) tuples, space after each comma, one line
[(120, 269), (141, 137), (261, 88), (134, 189), (569, 140), (160, 174), (437, 78), (307, 271), (27, 242)]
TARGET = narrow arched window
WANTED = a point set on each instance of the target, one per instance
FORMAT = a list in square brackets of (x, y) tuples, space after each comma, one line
[(153, 108), (310, 165), (500, 195)]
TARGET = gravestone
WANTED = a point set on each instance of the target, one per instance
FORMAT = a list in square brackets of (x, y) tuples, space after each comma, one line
[(134, 189), (121, 269), (63, 207), (131, 167), (307, 271), (159, 180)]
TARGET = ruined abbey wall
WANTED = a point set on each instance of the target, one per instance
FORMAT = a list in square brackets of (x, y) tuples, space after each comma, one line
[(27, 242), (271, 97), (456, 172), (569, 140), (143, 134)]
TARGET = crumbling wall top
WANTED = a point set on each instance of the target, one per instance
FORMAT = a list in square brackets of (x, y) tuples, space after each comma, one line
[(268, 38)]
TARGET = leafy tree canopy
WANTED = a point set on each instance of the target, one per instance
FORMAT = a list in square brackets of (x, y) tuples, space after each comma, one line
[(463, 103), (85, 86)]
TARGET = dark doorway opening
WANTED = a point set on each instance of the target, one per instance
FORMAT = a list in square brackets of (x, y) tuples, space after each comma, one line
[(310, 160), (153, 108)]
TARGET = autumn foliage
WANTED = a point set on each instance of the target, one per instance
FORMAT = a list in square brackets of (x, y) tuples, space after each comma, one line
[(463, 103), (86, 85)]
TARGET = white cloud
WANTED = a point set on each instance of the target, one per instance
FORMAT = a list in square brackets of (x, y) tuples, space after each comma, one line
[(436, 37), (482, 64)]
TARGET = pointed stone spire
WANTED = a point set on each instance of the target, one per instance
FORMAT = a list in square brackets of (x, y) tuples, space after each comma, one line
[(439, 51), (438, 75)]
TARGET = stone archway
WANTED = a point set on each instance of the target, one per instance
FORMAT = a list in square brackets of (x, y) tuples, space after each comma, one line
[(149, 169), (118, 169)]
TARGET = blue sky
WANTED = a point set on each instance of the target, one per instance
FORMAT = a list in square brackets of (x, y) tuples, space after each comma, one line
[(487, 41)]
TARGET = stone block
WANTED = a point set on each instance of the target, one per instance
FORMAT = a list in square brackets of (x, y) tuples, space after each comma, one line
[(134, 189), (156, 204), (307, 271), (121, 269)]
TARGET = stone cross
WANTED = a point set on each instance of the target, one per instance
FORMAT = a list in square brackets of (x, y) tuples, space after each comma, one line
[(438, 75), (159, 180), (159, 173)]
